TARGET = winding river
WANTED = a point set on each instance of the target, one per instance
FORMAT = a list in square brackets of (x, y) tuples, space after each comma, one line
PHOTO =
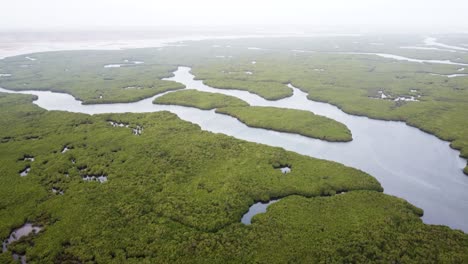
[(409, 163)]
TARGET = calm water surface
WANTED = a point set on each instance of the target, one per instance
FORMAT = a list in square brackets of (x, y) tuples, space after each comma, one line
[(408, 163)]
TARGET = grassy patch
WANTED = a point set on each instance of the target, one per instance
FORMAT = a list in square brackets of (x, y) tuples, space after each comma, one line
[(83, 75), (284, 120), (267, 90), (290, 120), (202, 100), (355, 227)]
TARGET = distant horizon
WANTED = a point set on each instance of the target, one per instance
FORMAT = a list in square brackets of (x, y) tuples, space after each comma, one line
[(360, 15), (298, 29)]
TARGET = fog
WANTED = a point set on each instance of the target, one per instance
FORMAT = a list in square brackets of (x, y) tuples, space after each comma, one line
[(448, 15)]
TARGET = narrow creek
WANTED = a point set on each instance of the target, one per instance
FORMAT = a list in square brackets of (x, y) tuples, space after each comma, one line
[(408, 163)]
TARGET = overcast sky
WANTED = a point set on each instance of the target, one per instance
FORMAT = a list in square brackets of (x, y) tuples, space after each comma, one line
[(91, 14)]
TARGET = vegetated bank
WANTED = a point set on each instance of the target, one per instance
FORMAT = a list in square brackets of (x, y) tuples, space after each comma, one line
[(267, 90), (290, 120), (350, 81), (176, 194), (278, 119), (201, 100), (83, 74), (355, 82)]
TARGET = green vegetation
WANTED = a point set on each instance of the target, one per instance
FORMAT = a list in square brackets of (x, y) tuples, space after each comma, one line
[(442, 105), (158, 189), (352, 82), (176, 194), (267, 90), (202, 100), (290, 120), (170, 202), (356, 227), (82, 74), (279, 119), (349, 81)]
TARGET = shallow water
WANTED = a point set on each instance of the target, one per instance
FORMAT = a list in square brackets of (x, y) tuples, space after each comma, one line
[(13, 46), (426, 48), (402, 58), (57, 191), (393, 57), (65, 149), (408, 163), (433, 42), (28, 158), (256, 209), (23, 231), (126, 63), (285, 170), (451, 75), (99, 178), (25, 172)]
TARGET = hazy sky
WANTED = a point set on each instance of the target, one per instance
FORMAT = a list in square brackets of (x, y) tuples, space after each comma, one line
[(63, 14)]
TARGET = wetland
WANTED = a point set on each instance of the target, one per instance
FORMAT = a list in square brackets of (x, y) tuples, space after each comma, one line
[(221, 169)]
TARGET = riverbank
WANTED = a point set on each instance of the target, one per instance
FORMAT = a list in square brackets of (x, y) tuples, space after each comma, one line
[(277, 119), (402, 154), (167, 197), (290, 121), (200, 100)]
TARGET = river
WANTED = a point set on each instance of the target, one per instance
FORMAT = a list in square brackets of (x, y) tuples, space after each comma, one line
[(409, 163)]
